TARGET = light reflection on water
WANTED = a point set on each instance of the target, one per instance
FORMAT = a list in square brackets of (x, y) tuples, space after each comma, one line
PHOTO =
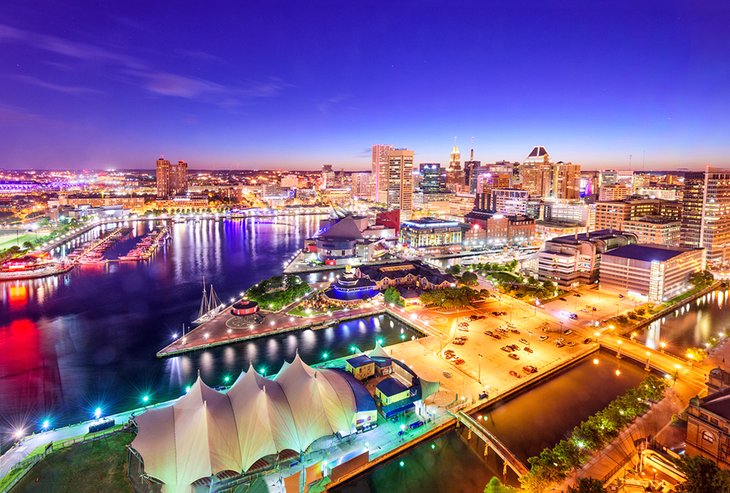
[(89, 338), (691, 325)]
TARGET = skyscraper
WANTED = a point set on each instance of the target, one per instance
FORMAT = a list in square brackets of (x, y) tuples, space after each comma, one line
[(400, 180), (328, 176), (565, 180), (361, 185), (162, 175), (454, 173), (706, 213), (434, 178), (471, 170), (172, 179), (535, 173), (380, 172)]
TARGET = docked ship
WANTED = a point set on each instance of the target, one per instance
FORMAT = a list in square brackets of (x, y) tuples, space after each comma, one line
[(32, 266)]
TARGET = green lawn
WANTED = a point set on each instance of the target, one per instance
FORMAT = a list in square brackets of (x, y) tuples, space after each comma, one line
[(6, 241), (93, 467)]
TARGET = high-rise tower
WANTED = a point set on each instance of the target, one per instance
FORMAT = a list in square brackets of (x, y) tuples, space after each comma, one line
[(400, 180), (380, 172)]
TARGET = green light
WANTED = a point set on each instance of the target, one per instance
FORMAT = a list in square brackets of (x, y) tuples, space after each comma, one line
[(263, 370), (353, 348), (227, 378), (145, 399), (433, 446), (402, 464), (325, 355), (402, 337), (187, 388), (380, 341)]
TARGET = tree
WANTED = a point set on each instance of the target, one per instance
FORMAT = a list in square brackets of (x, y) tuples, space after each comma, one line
[(701, 279), (469, 279), (27, 245), (392, 295), (496, 486), (454, 269), (587, 485), (703, 475)]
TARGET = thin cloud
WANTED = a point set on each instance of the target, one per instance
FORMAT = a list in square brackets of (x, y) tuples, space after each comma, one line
[(14, 115), (27, 79), (139, 73), (325, 106)]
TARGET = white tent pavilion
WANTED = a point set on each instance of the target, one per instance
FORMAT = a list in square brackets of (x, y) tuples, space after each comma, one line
[(206, 432)]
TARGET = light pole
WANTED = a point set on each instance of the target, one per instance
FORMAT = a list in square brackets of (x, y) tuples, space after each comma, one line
[(662, 345), (647, 367), (480, 369), (618, 353)]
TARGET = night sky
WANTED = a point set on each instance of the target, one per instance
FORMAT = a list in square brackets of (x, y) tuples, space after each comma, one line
[(249, 84)]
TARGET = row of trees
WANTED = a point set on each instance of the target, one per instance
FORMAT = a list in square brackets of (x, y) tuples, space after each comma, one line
[(277, 292), (450, 298), (554, 464), (702, 279)]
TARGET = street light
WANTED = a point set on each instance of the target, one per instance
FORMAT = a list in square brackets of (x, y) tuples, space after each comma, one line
[(480, 368), (662, 345), (618, 353), (647, 367)]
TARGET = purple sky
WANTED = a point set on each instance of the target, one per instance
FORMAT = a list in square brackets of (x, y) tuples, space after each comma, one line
[(297, 84)]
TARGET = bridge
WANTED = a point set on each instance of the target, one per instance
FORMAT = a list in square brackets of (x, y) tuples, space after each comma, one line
[(492, 442)]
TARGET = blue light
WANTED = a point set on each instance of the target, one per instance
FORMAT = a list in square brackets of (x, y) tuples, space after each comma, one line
[(46, 424), (97, 413)]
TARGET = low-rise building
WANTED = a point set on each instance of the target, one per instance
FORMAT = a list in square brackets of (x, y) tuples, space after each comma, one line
[(708, 427), (432, 235), (361, 366), (575, 259), (657, 230), (653, 272)]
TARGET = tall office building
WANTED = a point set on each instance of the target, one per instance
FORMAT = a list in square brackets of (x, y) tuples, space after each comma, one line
[(400, 181), (471, 171), (534, 173), (361, 185), (706, 213), (380, 172), (172, 179), (454, 173), (565, 181), (328, 176), (433, 178)]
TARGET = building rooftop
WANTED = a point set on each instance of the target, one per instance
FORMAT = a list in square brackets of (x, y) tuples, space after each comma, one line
[(718, 403), (390, 387), (656, 220), (358, 361), (431, 222), (601, 234), (647, 253)]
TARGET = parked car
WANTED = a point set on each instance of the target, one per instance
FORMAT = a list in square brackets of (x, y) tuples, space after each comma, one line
[(514, 331), (513, 356), (571, 343), (587, 340), (559, 344), (576, 295), (528, 349), (562, 299), (506, 349), (488, 332), (544, 338), (567, 332), (514, 347), (574, 316), (458, 361), (523, 340), (515, 374), (529, 369)]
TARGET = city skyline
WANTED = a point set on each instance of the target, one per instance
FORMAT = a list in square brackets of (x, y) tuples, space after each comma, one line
[(84, 87)]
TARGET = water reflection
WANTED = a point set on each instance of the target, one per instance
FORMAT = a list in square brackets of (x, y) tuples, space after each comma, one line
[(89, 338), (691, 325)]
